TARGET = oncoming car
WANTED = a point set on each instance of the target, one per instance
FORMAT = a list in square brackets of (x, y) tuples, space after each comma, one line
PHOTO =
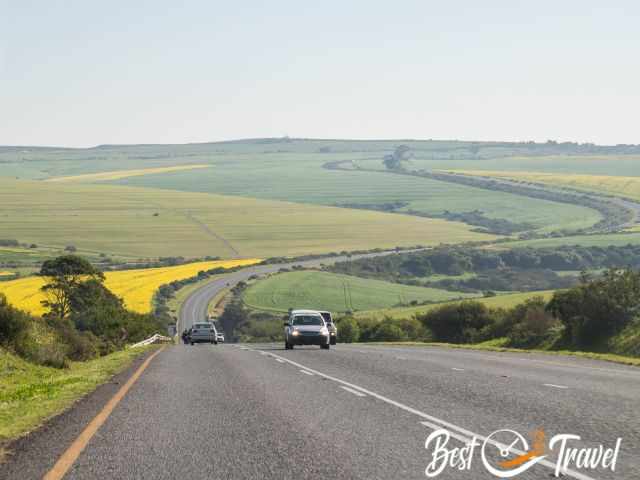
[(203, 332), (331, 326), (306, 327)]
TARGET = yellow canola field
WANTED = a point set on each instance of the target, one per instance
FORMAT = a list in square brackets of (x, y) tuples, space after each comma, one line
[(118, 174), (608, 184), (135, 287)]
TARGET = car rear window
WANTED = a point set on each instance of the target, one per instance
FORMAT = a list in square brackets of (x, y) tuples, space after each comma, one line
[(202, 326), (307, 320)]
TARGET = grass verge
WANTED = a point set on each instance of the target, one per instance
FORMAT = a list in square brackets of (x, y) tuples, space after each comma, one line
[(31, 394)]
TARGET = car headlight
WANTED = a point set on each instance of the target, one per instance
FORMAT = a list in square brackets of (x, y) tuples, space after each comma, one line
[(324, 331), (295, 332)]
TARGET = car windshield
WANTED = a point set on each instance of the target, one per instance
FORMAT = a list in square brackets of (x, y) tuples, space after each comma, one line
[(202, 326), (307, 320), (326, 316)]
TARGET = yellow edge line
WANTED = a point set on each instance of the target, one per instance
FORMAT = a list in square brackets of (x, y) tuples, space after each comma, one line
[(67, 459)]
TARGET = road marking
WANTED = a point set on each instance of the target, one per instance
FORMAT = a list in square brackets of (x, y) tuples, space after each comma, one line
[(351, 390), (554, 386), (278, 360), (306, 372), (425, 416), (457, 369), (67, 459)]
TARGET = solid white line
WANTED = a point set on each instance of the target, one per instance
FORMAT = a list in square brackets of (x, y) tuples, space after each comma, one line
[(306, 372), (278, 360), (425, 416), (457, 369), (554, 386), (351, 390)]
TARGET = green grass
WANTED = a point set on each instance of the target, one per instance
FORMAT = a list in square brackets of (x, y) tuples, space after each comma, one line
[(617, 239), (30, 394), (335, 292), (122, 221), (500, 301)]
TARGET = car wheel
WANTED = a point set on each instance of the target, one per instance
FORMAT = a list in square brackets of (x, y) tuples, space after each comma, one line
[(192, 343), (215, 343), (325, 346), (334, 341)]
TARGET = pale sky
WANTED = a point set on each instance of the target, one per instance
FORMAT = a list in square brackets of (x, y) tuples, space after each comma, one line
[(81, 73)]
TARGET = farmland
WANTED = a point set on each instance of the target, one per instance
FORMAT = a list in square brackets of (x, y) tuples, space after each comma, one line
[(135, 287), (335, 292), (292, 170), (118, 174), (500, 301), (148, 223), (607, 184)]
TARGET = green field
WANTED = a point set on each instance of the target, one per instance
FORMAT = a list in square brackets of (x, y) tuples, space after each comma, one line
[(123, 221), (335, 292), (500, 301), (291, 170)]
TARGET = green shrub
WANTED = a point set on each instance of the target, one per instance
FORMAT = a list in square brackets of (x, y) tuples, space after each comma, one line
[(348, 330), (464, 322)]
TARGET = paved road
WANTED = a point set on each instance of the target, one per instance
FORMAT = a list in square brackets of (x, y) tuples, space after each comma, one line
[(195, 306), (355, 411)]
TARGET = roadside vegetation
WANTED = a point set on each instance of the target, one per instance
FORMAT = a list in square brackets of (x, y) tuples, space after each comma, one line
[(32, 393), (598, 315), (47, 362)]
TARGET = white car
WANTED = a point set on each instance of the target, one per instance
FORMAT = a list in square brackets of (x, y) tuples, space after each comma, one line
[(220, 337), (306, 327)]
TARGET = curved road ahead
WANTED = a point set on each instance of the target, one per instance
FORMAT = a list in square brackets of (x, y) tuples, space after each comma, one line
[(194, 308)]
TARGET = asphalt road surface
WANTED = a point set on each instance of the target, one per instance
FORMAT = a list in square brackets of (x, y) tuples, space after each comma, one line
[(355, 411)]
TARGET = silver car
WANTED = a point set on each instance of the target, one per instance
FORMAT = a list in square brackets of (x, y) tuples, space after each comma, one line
[(306, 327), (203, 332), (333, 330)]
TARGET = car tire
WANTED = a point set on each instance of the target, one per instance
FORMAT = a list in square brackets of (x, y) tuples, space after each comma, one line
[(334, 341), (191, 343), (325, 346), (215, 343)]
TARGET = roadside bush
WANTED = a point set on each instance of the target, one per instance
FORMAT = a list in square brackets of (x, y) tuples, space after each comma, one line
[(348, 330), (530, 324), (13, 323), (388, 331), (464, 322), (597, 309)]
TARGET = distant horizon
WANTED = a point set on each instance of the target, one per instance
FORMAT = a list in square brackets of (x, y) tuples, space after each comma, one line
[(312, 139)]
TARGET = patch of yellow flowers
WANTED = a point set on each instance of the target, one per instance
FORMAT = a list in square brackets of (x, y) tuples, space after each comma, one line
[(135, 287)]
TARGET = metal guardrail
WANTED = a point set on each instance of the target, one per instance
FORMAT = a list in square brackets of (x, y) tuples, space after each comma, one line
[(157, 338)]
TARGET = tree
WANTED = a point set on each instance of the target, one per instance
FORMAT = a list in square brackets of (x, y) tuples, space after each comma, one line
[(64, 274)]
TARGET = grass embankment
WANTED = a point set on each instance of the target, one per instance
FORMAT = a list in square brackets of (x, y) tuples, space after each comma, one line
[(336, 292), (136, 287), (30, 394)]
